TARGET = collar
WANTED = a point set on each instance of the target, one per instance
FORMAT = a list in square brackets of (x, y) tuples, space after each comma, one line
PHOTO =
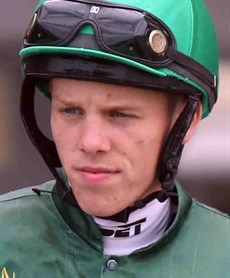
[(144, 227)]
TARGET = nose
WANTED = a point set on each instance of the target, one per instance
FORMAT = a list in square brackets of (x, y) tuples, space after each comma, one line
[(94, 136)]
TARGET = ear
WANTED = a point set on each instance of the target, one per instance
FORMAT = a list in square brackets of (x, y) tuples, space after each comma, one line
[(196, 119)]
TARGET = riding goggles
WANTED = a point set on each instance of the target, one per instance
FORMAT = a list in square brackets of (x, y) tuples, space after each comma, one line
[(119, 29)]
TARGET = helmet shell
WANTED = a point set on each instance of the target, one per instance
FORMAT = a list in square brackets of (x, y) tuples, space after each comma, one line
[(190, 24)]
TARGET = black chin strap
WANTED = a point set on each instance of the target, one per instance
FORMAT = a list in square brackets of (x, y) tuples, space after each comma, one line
[(171, 153), (44, 145)]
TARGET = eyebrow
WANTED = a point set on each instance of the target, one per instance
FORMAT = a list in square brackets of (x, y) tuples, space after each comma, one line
[(124, 107), (114, 104)]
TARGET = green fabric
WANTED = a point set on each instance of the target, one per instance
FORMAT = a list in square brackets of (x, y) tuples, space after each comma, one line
[(40, 236)]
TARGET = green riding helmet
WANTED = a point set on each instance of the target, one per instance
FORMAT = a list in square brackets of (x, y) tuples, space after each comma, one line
[(165, 45)]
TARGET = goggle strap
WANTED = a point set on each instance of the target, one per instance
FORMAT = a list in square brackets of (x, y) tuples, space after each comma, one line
[(184, 72), (196, 68)]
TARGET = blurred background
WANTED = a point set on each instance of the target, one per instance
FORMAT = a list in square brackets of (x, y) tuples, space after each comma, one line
[(205, 165)]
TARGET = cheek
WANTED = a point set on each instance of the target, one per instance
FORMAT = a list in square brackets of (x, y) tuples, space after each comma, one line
[(148, 150), (140, 142), (57, 133), (147, 155), (140, 146), (61, 138), (54, 127)]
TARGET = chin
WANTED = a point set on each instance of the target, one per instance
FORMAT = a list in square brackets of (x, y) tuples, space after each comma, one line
[(105, 210), (99, 203), (99, 212)]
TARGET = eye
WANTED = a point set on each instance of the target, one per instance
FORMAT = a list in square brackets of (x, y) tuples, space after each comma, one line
[(72, 111), (119, 114)]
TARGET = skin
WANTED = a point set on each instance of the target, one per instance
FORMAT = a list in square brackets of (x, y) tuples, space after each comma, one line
[(109, 139)]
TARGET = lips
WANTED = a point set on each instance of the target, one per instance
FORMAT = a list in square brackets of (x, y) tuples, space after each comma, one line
[(96, 170), (91, 174)]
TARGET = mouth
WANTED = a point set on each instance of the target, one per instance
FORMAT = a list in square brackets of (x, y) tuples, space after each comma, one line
[(94, 175)]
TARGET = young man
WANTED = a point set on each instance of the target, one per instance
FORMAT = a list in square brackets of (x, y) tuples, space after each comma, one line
[(128, 82)]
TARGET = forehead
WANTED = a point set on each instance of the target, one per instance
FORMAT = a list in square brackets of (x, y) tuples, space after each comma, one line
[(64, 89)]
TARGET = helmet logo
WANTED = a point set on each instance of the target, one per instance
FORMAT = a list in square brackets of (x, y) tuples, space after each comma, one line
[(94, 10)]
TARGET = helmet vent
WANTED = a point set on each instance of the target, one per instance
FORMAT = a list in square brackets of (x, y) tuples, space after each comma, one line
[(157, 41)]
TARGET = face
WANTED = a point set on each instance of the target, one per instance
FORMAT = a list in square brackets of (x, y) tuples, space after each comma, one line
[(109, 139)]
